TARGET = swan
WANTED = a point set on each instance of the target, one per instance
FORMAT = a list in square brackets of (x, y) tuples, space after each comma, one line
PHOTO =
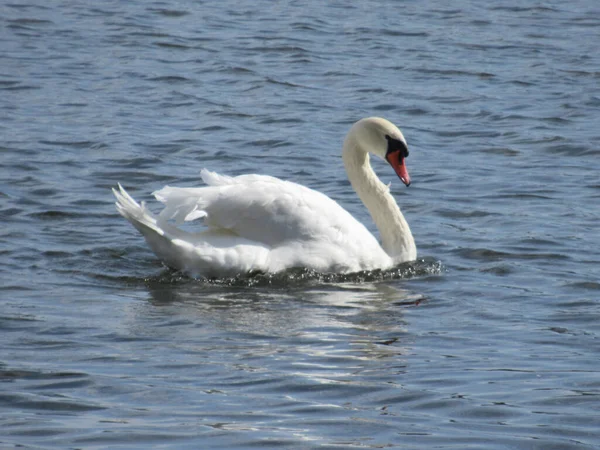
[(261, 223)]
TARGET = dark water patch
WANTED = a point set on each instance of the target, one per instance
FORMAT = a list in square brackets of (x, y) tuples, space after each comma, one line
[(412, 111), (293, 49), (585, 285), (556, 120), (170, 79), (281, 120), (117, 437), (26, 20), (559, 330), (593, 101), (56, 215), (582, 73), (23, 6), (238, 70), (270, 143), (34, 432), (401, 33), (141, 162), (449, 73), (56, 254), (74, 105), (213, 128), (22, 374), (51, 345), (90, 204), (230, 114), (531, 243), (372, 90), (483, 133), (522, 83), (503, 151), (151, 33), (271, 80), (58, 331), (18, 318), (69, 144), (160, 149), (17, 86), (10, 212), (180, 104), (124, 338), (131, 177), (168, 12), (573, 150), (512, 117), (385, 107), (43, 403), (28, 27), (461, 214), (485, 254), (44, 192), (518, 9), (500, 270), (540, 195), (172, 45)]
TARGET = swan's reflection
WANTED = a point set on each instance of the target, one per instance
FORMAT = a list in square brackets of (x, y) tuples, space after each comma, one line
[(356, 320), (292, 349)]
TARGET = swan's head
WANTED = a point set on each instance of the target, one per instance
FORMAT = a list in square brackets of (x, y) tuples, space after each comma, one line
[(382, 138)]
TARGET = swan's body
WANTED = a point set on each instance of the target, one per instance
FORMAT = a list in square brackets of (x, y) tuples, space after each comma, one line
[(262, 223)]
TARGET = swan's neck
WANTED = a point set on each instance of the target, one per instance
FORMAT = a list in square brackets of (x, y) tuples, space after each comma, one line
[(396, 237)]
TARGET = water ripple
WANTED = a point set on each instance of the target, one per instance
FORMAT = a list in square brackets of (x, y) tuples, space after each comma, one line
[(489, 340)]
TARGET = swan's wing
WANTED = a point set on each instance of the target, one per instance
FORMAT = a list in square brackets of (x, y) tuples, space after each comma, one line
[(263, 209), (210, 253), (184, 204), (216, 179)]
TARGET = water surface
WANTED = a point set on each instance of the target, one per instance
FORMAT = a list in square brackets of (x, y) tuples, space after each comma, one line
[(489, 341)]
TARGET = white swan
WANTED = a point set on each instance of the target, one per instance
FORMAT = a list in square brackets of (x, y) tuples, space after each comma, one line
[(262, 223)]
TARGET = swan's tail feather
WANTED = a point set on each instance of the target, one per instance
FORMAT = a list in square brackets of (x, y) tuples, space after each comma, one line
[(209, 253), (163, 239), (137, 214)]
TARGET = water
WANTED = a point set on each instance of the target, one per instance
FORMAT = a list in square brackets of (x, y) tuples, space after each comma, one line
[(490, 341)]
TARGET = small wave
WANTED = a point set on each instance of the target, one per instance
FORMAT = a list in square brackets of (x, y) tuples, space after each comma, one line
[(486, 254), (71, 144), (171, 45), (170, 79)]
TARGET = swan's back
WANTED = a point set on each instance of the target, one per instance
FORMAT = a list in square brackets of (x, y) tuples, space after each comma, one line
[(263, 209)]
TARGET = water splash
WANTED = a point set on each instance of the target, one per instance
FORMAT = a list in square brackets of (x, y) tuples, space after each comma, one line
[(302, 276)]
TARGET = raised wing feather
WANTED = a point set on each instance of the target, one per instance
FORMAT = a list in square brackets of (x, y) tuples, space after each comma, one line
[(263, 209)]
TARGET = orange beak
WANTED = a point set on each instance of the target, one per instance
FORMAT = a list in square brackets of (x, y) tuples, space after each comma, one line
[(397, 162)]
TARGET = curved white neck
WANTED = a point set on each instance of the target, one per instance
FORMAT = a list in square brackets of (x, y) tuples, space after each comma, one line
[(396, 237)]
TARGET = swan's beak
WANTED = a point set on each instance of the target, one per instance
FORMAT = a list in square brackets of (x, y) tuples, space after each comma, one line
[(397, 162)]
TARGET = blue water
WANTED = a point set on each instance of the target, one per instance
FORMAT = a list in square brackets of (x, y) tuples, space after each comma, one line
[(490, 340)]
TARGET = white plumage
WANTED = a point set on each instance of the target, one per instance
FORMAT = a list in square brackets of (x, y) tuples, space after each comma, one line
[(262, 223)]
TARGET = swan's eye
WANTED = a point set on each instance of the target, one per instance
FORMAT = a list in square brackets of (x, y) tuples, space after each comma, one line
[(396, 145)]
